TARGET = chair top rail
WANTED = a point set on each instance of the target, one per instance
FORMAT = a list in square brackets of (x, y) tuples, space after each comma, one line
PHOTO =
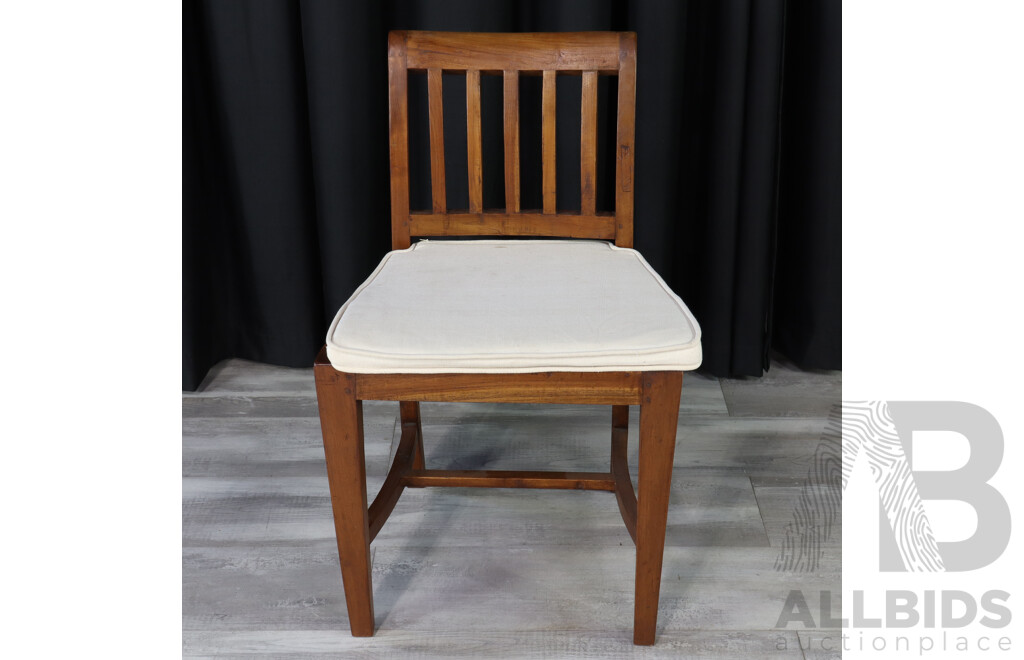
[(493, 52)]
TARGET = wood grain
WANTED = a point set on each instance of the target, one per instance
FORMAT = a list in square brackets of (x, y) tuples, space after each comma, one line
[(784, 391), (624, 493), (427, 584), (394, 483), (238, 405), (341, 418), (496, 51), (603, 388), (409, 412), (398, 125), (708, 508), (511, 105), (624, 138), (529, 645), (588, 144), (246, 377), (436, 112), (474, 145), (715, 511), (512, 479), (548, 142), (659, 411), (260, 447), (566, 225)]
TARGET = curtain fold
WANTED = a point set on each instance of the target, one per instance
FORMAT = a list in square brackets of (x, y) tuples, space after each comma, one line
[(286, 202)]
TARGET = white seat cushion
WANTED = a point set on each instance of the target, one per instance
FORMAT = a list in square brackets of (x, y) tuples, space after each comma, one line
[(513, 306)]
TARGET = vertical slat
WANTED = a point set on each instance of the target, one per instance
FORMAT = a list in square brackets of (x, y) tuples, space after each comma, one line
[(398, 121), (436, 141), (588, 144), (548, 141), (511, 141), (624, 151), (473, 142)]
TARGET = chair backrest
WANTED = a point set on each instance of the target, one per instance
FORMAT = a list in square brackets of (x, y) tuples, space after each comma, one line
[(587, 54)]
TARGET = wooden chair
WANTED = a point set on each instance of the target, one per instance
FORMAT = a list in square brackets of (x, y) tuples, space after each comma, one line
[(624, 338)]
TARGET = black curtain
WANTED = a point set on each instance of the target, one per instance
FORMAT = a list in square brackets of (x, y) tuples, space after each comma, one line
[(285, 152)]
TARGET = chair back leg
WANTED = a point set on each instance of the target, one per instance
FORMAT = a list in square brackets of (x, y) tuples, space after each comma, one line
[(410, 413)]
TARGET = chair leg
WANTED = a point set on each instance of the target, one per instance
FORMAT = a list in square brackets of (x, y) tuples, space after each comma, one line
[(341, 421), (659, 411), (410, 412)]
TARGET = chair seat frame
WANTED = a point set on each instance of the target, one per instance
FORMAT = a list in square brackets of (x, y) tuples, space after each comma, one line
[(340, 394)]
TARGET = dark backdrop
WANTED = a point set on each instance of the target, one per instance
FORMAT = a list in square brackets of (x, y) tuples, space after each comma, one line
[(286, 164)]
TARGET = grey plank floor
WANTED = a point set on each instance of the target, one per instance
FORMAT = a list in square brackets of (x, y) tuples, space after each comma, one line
[(475, 573)]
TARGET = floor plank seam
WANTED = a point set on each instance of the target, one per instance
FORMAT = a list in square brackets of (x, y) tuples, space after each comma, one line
[(760, 509)]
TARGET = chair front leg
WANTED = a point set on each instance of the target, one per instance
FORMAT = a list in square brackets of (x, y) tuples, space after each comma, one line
[(341, 421), (659, 411)]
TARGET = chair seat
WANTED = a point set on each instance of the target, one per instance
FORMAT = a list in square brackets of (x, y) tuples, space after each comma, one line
[(513, 306)]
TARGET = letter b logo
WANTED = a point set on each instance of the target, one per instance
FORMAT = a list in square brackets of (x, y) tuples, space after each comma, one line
[(902, 526)]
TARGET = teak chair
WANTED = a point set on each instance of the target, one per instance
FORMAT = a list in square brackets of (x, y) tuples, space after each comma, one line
[(527, 321)]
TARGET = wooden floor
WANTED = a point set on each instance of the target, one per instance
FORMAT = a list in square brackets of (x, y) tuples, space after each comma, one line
[(480, 573)]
